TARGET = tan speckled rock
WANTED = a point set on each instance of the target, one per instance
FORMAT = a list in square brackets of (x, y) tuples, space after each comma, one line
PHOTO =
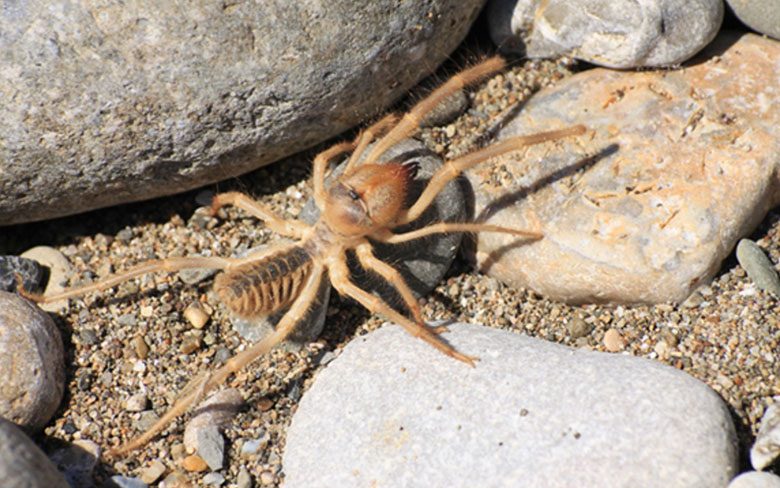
[(679, 165), (32, 370)]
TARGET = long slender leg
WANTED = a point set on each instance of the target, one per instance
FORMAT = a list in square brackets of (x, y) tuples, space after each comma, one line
[(199, 387), (321, 164), (446, 227), (152, 266), (366, 137), (289, 228), (411, 121), (367, 259), (452, 169), (339, 277)]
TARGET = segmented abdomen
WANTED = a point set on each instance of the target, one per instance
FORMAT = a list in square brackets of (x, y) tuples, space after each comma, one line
[(264, 286)]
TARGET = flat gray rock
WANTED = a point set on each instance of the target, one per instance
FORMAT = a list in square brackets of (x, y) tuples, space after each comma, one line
[(22, 463), (615, 34), (392, 411), (111, 103), (32, 363)]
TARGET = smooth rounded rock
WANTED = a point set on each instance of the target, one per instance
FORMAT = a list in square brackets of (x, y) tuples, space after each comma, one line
[(32, 368), (59, 268), (758, 267), (393, 411), (676, 167), (755, 479), (761, 15), (766, 450), (615, 34), (22, 463), (118, 102)]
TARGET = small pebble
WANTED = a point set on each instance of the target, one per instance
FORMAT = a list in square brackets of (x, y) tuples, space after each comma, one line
[(153, 472), (244, 479), (59, 269), (196, 315), (31, 273), (213, 479), (267, 477), (194, 463), (147, 419), (758, 267), (137, 403), (147, 311), (189, 344), (767, 447), (210, 446), (216, 411), (577, 327), (140, 347), (195, 276), (126, 482), (613, 341)]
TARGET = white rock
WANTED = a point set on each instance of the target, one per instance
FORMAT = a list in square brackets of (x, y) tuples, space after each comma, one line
[(392, 411), (615, 34), (767, 446), (32, 364), (755, 479)]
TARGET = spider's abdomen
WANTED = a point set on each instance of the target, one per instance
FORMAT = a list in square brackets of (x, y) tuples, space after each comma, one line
[(262, 287)]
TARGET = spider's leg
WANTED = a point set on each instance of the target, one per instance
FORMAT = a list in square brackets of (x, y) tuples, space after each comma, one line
[(388, 237), (290, 228), (452, 169), (370, 262), (366, 137), (339, 277), (202, 385), (321, 162), (411, 121), (152, 266)]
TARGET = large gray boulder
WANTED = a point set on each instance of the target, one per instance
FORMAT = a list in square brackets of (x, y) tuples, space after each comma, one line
[(111, 103)]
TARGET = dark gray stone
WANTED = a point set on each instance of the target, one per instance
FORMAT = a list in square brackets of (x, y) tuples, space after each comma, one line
[(22, 463), (118, 102), (33, 274)]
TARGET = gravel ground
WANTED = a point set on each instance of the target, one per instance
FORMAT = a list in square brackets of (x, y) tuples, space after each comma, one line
[(136, 339)]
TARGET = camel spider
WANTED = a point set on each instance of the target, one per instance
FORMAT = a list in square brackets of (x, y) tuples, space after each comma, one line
[(362, 206)]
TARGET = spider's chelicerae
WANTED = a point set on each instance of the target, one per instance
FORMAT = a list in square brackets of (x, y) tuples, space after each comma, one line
[(362, 206)]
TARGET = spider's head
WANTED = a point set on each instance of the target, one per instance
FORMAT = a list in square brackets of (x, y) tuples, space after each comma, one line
[(369, 198)]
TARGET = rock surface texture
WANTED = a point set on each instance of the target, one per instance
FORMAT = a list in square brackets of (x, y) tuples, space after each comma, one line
[(615, 34), (392, 411), (32, 369), (678, 165), (22, 463), (761, 15), (120, 102)]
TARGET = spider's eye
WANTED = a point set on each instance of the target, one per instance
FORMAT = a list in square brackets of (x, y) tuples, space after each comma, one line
[(353, 194)]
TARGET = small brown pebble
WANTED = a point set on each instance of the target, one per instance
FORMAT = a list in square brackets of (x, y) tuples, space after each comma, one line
[(153, 472), (190, 344), (136, 403), (265, 404), (267, 477), (196, 315), (194, 463), (613, 341), (140, 347)]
